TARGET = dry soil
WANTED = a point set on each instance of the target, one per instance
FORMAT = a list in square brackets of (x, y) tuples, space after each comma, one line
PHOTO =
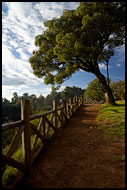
[(80, 156)]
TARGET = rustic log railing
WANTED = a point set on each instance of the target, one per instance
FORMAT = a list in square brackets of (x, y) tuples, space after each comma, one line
[(47, 127)]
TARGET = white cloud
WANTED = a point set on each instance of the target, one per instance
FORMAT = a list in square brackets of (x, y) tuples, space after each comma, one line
[(14, 44), (118, 65), (102, 66), (21, 22), (61, 88), (120, 54), (119, 57), (23, 56), (121, 49), (49, 10), (16, 68)]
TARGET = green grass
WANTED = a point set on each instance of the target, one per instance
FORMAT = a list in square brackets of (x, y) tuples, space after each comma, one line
[(113, 118), (11, 172), (9, 175)]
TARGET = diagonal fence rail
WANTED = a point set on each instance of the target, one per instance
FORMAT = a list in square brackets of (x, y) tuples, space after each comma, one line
[(49, 124)]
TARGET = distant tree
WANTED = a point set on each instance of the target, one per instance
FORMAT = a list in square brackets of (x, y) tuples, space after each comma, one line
[(40, 102), (15, 99), (118, 89), (33, 101), (32, 97), (25, 96), (10, 112), (5, 101), (80, 39), (70, 92), (94, 92), (52, 96)]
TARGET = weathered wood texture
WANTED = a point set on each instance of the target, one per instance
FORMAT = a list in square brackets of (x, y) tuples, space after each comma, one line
[(26, 138), (55, 116), (12, 125), (59, 116), (15, 141), (37, 132), (12, 162)]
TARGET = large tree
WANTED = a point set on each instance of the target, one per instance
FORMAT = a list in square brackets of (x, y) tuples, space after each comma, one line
[(80, 39)]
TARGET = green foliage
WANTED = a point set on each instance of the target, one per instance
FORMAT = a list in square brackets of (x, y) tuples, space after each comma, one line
[(94, 92), (9, 176), (77, 40), (107, 113), (15, 99), (113, 118), (7, 137), (11, 172), (10, 112), (118, 89), (70, 92), (38, 105)]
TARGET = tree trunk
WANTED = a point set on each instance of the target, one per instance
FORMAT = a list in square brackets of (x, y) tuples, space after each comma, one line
[(106, 88)]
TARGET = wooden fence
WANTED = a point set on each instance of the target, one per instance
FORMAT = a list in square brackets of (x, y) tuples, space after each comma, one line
[(58, 117)]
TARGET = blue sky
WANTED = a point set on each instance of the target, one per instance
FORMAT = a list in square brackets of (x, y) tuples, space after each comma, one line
[(21, 22)]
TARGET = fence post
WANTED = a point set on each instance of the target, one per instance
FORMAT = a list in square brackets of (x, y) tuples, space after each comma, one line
[(76, 101), (79, 100), (71, 101), (26, 139), (83, 99), (65, 105), (55, 117)]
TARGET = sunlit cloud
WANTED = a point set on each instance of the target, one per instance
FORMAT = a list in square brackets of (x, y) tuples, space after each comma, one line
[(21, 22), (118, 65)]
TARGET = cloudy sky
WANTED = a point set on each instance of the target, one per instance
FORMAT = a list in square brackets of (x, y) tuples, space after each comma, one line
[(21, 22)]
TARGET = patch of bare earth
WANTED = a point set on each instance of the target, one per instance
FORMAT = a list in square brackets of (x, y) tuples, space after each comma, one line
[(79, 156)]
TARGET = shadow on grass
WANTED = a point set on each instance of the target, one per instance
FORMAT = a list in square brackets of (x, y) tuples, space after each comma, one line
[(116, 111), (120, 105)]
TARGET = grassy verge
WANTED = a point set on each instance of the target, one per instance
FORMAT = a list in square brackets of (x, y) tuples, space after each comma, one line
[(113, 118)]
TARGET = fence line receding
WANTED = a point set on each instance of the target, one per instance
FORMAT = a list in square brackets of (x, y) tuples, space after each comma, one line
[(49, 124)]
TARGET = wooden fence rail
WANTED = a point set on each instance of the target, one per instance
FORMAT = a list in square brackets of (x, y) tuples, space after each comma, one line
[(46, 127)]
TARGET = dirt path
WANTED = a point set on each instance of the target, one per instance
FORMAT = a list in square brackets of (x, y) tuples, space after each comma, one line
[(80, 156)]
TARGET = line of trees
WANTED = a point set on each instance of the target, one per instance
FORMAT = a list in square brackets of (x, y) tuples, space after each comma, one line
[(93, 93), (11, 109)]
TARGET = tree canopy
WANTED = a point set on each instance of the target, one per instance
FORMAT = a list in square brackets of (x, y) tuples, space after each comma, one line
[(70, 92), (11, 109), (94, 92), (79, 39), (118, 88)]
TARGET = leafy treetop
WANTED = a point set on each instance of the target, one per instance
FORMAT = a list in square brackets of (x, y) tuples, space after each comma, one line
[(79, 39)]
